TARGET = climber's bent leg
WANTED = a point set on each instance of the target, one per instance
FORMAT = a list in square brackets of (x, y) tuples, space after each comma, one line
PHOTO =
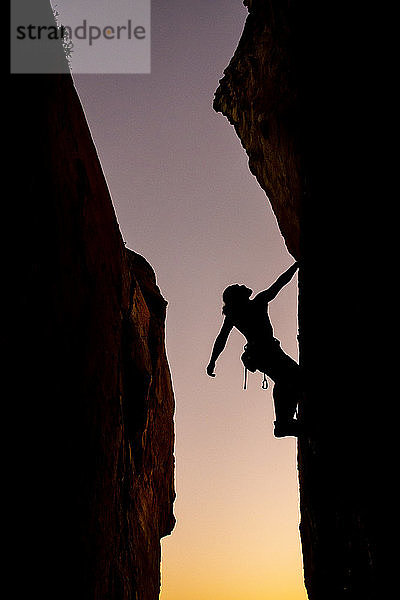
[(286, 374), (286, 398)]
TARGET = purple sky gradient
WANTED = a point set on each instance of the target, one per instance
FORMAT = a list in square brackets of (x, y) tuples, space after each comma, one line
[(186, 201)]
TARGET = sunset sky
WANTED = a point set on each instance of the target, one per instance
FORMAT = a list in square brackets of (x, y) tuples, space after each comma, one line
[(186, 200)]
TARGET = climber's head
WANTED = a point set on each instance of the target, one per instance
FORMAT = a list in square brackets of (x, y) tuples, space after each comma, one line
[(234, 296)]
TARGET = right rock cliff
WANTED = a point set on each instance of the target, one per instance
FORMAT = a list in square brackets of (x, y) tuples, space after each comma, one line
[(289, 93)]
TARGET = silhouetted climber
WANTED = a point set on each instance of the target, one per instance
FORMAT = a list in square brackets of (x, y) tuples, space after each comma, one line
[(262, 351)]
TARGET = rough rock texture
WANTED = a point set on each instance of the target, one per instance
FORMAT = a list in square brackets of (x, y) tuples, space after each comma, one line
[(92, 403), (265, 116), (289, 92)]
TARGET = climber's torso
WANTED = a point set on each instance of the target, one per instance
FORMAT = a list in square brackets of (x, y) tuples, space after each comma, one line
[(253, 322)]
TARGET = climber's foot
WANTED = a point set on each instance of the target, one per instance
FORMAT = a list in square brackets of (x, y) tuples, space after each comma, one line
[(287, 428)]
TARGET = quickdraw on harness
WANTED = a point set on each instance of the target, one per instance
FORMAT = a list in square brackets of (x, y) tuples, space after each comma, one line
[(264, 384), (250, 364)]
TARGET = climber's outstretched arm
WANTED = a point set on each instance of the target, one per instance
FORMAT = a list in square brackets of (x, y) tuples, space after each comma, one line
[(219, 345), (276, 287)]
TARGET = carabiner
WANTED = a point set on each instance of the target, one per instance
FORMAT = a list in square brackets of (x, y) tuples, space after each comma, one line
[(265, 383)]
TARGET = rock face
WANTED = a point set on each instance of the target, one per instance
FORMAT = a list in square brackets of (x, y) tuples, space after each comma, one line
[(265, 116), (94, 474), (288, 92)]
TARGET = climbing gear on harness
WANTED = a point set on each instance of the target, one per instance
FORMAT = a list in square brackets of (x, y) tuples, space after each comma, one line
[(249, 359), (265, 383), (249, 363)]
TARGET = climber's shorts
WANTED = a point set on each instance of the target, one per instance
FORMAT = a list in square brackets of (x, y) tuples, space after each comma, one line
[(273, 361)]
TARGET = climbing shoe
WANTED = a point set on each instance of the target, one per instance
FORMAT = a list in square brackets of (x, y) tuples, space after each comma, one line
[(288, 428)]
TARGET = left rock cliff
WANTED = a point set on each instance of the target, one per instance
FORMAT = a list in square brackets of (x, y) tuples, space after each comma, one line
[(92, 404)]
